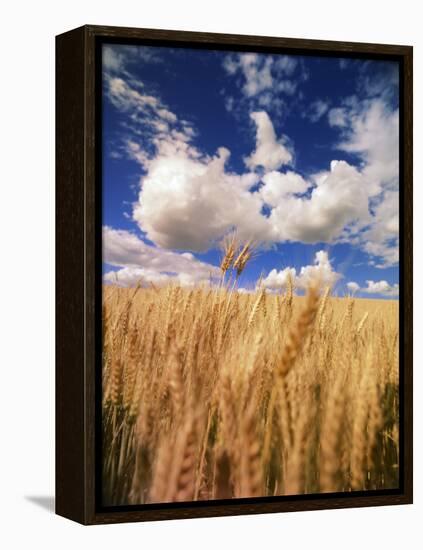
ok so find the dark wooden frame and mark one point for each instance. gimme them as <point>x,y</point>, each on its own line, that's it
<point>78,253</point>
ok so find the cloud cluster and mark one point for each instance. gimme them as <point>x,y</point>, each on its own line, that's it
<point>381,240</point>
<point>260,72</point>
<point>265,81</point>
<point>372,133</point>
<point>189,200</point>
<point>320,272</point>
<point>270,153</point>
<point>353,287</point>
<point>280,186</point>
<point>316,110</point>
<point>190,203</point>
<point>133,276</point>
<point>338,117</point>
<point>150,127</point>
<point>370,130</point>
<point>117,58</point>
<point>338,200</point>
<point>379,80</point>
<point>381,287</point>
<point>375,287</point>
<point>126,98</point>
<point>140,262</point>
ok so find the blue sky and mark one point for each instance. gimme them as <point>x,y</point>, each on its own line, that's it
<point>298,153</point>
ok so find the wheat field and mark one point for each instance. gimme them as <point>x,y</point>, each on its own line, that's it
<point>209,393</point>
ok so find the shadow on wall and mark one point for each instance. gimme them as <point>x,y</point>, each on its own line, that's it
<point>46,502</point>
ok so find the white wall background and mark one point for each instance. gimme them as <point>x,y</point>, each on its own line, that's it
<point>27,271</point>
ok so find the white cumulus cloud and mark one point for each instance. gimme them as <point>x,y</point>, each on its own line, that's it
<point>189,200</point>
<point>338,199</point>
<point>373,134</point>
<point>370,130</point>
<point>321,272</point>
<point>376,287</point>
<point>353,286</point>
<point>278,186</point>
<point>190,203</point>
<point>270,152</point>
<point>277,280</point>
<point>381,287</point>
<point>140,262</point>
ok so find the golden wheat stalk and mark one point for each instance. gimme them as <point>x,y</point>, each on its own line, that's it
<point>210,393</point>
<point>297,334</point>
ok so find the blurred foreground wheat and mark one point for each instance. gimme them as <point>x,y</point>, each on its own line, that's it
<point>213,394</point>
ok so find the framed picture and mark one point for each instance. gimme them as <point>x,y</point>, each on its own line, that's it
<point>234,274</point>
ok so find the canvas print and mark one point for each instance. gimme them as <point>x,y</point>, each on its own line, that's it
<point>250,219</point>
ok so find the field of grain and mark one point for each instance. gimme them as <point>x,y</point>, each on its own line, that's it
<point>209,393</point>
